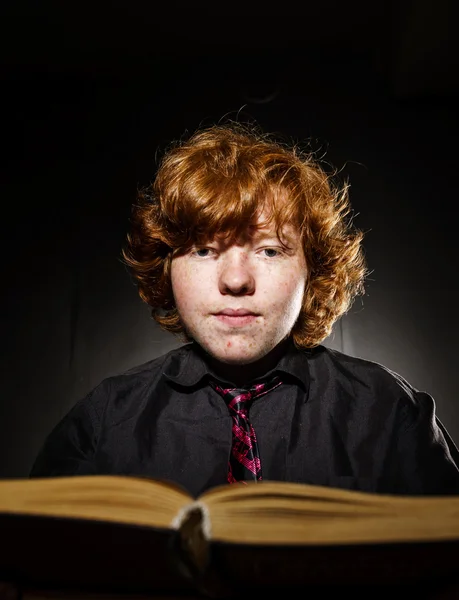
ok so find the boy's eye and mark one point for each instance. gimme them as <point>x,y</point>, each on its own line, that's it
<point>202,252</point>
<point>271,252</point>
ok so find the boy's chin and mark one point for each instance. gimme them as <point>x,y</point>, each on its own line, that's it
<point>236,358</point>
<point>238,354</point>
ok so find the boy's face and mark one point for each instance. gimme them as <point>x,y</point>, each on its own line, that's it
<point>240,298</point>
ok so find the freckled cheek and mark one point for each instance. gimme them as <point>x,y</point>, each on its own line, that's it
<point>190,289</point>
<point>293,285</point>
<point>182,287</point>
<point>289,294</point>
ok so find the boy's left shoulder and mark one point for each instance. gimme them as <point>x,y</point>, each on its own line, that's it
<point>364,371</point>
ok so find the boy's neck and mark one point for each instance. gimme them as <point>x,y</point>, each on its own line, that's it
<point>242,375</point>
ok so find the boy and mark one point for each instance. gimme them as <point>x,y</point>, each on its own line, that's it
<point>242,246</point>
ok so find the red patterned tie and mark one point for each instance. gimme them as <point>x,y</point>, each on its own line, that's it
<point>244,463</point>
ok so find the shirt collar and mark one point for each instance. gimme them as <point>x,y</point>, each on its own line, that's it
<point>187,367</point>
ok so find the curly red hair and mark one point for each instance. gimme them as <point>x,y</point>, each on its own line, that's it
<point>217,181</point>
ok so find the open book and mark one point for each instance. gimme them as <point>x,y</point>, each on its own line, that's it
<point>123,534</point>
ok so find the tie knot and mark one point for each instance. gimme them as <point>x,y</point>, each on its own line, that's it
<point>239,399</point>
<point>245,462</point>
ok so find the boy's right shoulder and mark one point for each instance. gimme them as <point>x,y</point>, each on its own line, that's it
<point>153,367</point>
<point>138,376</point>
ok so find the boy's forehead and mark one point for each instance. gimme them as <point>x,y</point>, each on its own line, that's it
<point>261,228</point>
<point>271,228</point>
<point>265,215</point>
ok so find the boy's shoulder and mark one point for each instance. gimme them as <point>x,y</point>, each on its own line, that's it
<point>167,362</point>
<point>148,373</point>
<point>358,370</point>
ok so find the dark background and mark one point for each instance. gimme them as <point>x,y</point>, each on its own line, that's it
<point>90,93</point>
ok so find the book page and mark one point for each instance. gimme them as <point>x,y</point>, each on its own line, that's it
<point>125,499</point>
<point>290,513</point>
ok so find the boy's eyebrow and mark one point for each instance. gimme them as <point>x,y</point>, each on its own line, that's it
<point>286,234</point>
<point>264,234</point>
<point>255,233</point>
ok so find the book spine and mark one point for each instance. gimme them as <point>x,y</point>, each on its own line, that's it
<point>194,530</point>
<point>192,551</point>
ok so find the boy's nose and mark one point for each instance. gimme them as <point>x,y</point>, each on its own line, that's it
<point>236,274</point>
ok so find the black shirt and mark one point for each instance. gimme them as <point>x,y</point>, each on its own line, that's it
<point>336,420</point>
